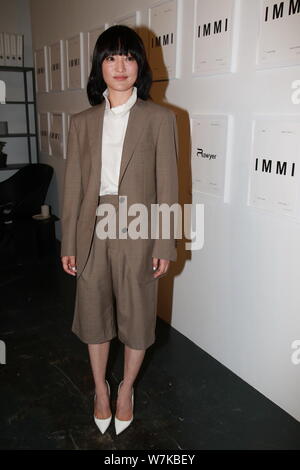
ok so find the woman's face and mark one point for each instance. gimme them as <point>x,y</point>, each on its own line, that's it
<point>119,72</point>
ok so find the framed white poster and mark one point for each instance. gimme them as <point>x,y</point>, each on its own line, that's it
<point>215,36</point>
<point>57,137</point>
<point>130,20</point>
<point>274,172</point>
<point>279,36</point>
<point>92,39</point>
<point>56,66</point>
<point>68,121</point>
<point>211,152</point>
<point>41,70</point>
<point>44,127</point>
<point>75,62</point>
<point>163,33</point>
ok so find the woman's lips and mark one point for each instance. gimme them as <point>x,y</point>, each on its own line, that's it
<point>120,78</point>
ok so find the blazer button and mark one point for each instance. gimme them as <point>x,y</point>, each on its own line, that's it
<point>124,229</point>
<point>122,199</point>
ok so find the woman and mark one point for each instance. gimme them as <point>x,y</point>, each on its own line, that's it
<point>121,150</point>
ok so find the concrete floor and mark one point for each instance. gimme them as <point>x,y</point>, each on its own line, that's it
<point>184,399</point>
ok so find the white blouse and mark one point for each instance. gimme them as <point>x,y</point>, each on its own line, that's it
<point>113,133</point>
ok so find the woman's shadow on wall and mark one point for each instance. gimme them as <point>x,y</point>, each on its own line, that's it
<point>158,94</point>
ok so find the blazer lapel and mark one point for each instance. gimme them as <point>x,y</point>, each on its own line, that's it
<point>136,123</point>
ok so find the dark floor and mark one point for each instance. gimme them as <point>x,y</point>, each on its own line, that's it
<point>184,399</point>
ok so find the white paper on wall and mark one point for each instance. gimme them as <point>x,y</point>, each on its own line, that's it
<point>214,27</point>
<point>128,20</point>
<point>44,132</point>
<point>57,134</point>
<point>75,66</point>
<point>211,139</point>
<point>92,39</point>
<point>279,36</point>
<point>274,180</point>
<point>163,40</point>
<point>41,70</point>
<point>56,66</point>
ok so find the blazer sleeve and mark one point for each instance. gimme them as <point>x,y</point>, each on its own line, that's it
<point>72,193</point>
<point>167,183</point>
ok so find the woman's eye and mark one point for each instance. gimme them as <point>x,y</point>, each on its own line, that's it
<point>111,58</point>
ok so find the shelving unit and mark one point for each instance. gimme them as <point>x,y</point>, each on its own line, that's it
<point>27,103</point>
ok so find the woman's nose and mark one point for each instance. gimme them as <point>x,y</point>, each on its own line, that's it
<point>120,65</point>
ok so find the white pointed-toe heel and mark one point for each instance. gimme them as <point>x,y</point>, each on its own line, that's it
<point>103,423</point>
<point>121,425</point>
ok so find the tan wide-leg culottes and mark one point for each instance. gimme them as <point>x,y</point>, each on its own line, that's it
<point>110,299</point>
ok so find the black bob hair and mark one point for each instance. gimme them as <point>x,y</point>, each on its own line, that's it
<point>118,39</point>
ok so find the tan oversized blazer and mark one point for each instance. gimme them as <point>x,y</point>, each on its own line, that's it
<point>148,175</point>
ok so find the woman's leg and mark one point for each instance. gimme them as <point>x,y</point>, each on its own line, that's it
<point>98,357</point>
<point>133,359</point>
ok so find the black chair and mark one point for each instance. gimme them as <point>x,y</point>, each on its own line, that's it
<point>21,196</point>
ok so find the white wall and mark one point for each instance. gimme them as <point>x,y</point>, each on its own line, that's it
<point>238,298</point>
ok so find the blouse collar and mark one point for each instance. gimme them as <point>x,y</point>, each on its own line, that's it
<point>122,109</point>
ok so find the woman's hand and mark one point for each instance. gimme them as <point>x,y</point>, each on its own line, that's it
<point>69,264</point>
<point>161,265</point>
